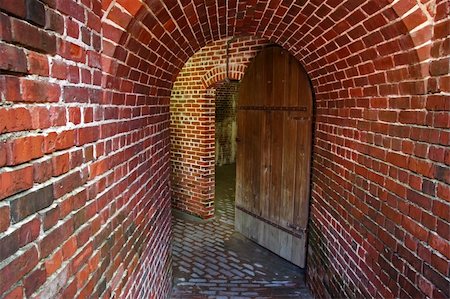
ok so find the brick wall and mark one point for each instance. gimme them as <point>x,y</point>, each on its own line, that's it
<point>192,107</point>
<point>380,210</point>
<point>226,125</point>
<point>84,152</point>
<point>84,195</point>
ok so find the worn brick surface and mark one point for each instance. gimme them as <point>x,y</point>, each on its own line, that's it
<point>35,200</point>
<point>380,163</point>
<point>35,12</point>
<point>225,122</point>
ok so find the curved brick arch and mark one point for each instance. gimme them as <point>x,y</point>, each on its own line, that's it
<point>192,157</point>
<point>84,153</point>
<point>365,59</point>
<point>399,19</point>
<point>219,73</point>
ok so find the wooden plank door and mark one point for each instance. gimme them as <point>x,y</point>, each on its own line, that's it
<point>274,118</point>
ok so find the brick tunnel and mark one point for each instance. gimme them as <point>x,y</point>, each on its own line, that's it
<point>85,191</point>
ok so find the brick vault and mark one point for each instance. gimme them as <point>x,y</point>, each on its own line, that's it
<point>84,146</point>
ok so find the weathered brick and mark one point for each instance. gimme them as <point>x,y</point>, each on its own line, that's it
<point>76,158</point>
<point>87,135</point>
<point>50,142</point>
<point>86,36</point>
<point>60,164</point>
<point>40,117</point>
<point>16,7</point>
<point>55,238</point>
<point>53,263</point>
<point>4,218</point>
<point>5,28</point>
<point>24,149</point>
<point>437,279</point>
<point>12,59</point>
<point>35,12</point>
<point>441,209</point>
<point>14,119</point>
<point>51,218</point>
<point>58,116</point>
<point>71,51</point>
<point>73,94</point>
<point>75,115</point>
<point>16,293</point>
<point>33,37</point>
<point>50,3</point>
<point>42,170</point>
<point>74,74</point>
<point>54,21</point>
<point>73,29</point>
<point>71,8</point>
<point>34,200</point>
<point>38,64</point>
<point>11,243</point>
<point>442,173</point>
<point>40,91</point>
<point>65,139</point>
<point>69,248</point>
<point>67,183</point>
<point>33,281</point>
<point>15,180</point>
<point>71,290</point>
<point>15,270</point>
<point>3,153</point>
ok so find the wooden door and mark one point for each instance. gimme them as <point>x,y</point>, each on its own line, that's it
<point>274,118</point>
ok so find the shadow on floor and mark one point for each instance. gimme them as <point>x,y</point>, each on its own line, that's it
<point>211,260</point>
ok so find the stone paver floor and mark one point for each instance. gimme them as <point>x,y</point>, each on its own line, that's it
<point>211,260</point>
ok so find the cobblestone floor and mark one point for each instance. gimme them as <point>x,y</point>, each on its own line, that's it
<point>211,260</point>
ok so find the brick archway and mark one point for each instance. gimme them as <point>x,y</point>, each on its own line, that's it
<point>193,121</point>
<point>364,58</point>
<point>219,73</point>
<point>87,85</point>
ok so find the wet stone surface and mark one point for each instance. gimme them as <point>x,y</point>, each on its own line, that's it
<point>211,260</point>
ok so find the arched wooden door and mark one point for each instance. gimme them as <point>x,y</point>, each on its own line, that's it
<point>274,153</point>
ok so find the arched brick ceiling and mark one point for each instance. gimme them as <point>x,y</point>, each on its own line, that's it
<point>99,129</point>
<point>369,62</point>
<point>335,40</point>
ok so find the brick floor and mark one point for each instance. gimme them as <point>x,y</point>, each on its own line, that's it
<point>211,260</point>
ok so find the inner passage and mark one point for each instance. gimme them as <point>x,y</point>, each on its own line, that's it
<point>211,259</point>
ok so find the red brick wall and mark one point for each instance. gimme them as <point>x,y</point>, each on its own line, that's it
<point>84,124</point>
<point>84,159</point>
<point>192,107</point>
<point>226,125</point>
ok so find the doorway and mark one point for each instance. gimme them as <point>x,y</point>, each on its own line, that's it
<point>211,258</point>
<point>226,97</point>
<point>274,154</point>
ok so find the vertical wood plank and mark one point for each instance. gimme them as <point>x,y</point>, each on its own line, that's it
<point>276,166</point>
<point>265,172</point>
<point>289,171</point>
